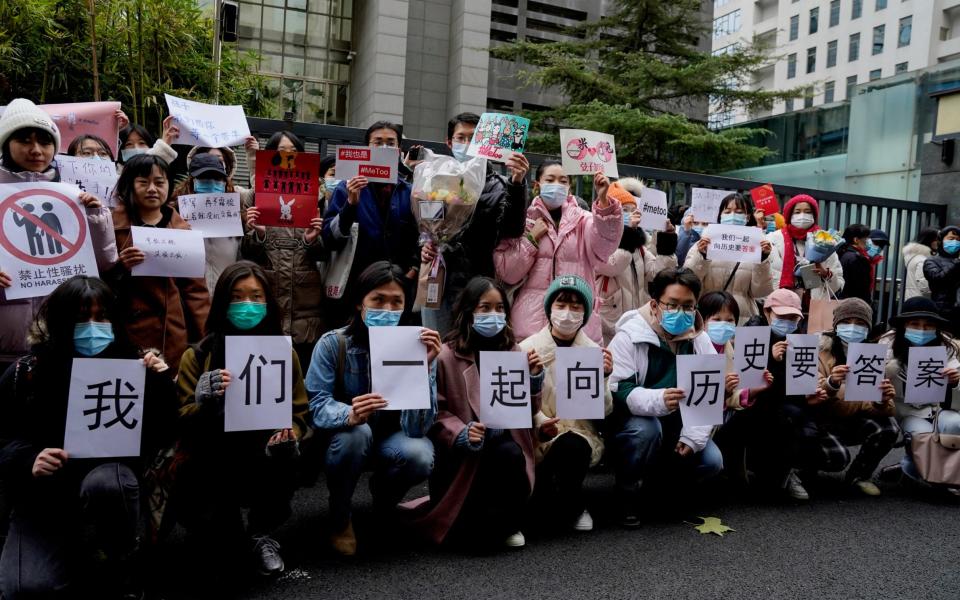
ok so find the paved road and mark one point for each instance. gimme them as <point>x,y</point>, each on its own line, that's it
<point>841,546</point>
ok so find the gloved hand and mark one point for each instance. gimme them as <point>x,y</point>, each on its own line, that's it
<point>211,387</point>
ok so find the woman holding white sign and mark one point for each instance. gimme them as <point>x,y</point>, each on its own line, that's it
<point>747,281</point>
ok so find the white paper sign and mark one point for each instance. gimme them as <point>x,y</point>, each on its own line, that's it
<point>376,163</point>
<point>208,124</point>
<point>734,243</point>
<point>169,252</point>
<point>579,383</point>
<point>44,237</point>
<point>705,204</point>
<point>92,175</point>
<point>703,378</point>
<point>398,367</point>
<point>750,354</point>
<point>213,215</point>
<point>505,399</point>
<point>803,364</point>
<point>105,408</point>
<point>867,363</point>
<point>653,209</point>
<point>586,152</point>
<point>260,394</point>
<point>926,383</point>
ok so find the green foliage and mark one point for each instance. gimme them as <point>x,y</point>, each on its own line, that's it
<point>144,49</point>
<point>632,73</point>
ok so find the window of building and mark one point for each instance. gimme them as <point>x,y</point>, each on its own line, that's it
<point>901,68</point>
<point>726,24</point>
<point>829,91</point>
<point>718,3</point>
<point>794,27</point>
<point>875,74</point>
<point>851,84</point>
<point>857,10</point>
<point>788,105</point>
<point>878,33</point>
<point>814,20</point>
<point>811,59</point>
<point>853,52</point>
<point>881,4</point>
<point>792,66</point>
<point>721,119</point>
<point>498,105</point>
<point>906,30</point>
<point>834,13</point>
<point>832,54</point>
<point>808,98</point>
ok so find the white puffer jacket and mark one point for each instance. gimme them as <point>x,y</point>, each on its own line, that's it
<point>915,282</point>
<point>751,282</point>
<point>835,283</point>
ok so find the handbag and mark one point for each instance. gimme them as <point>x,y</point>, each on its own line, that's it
<point>820,317</point>
<point>937,455</point>
<point>336,270</point>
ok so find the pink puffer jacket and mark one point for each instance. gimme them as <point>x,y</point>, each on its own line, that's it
<point>582,243</point>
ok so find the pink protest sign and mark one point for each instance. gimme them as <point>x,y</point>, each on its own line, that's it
<point>90,118</point>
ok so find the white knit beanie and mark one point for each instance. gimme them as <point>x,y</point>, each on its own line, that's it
<point>22,114</point>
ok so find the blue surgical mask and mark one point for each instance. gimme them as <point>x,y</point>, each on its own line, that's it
<point>698,229</point>
<point>460,151</point>
<point>676,323</point>
<point>872,249</point>
<point>852,334</point>
<point>771,226</point>
<point>951,246</point>
<point>246,315</point>
<point>553,194</point>
<point>128,153</point>
<point>331,183</point>
<point>375,317</point>
<point>105,158</point>
<point>209,186</point>
<point>489,324</point>
<point>919,337</point>
<point>783,327</point>
<point>92,338</point>
<point>733,219</point>
<point>626,219</point>
<point>721,332</point>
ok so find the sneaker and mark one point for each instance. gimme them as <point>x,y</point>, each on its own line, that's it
<point>344,542</point>
<point>266,553</point>
<point>516,540</point>
<point>794,487</point>
<point>584,522</point>
<point>630,519</point>
<point>866,486</point>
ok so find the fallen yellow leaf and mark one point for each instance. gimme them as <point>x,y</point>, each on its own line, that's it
<point>713,525</point>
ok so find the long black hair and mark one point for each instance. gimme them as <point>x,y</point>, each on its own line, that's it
<point>74,148</point>
<point>217,321</point>
<point>376,275</point>
<point>743,203</point>
<point>147,137</point>
<point>70,303</point>
<point>274,142</point>
<point>23,135</point>
<point>462,336</point>
<point>138,166</point>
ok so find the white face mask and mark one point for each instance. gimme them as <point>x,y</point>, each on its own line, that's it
<point>566,322</point>
<point>802,220</point>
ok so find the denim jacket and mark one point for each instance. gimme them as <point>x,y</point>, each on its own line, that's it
<point>330,412</point>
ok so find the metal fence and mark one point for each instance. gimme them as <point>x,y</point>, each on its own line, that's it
<point>901,220</point>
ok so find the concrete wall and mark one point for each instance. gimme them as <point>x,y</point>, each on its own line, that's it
<point>380,42</point>
<point>940,182</point>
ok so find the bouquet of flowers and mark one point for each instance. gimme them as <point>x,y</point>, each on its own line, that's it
<point>445,194</point>
<point>821,244</point>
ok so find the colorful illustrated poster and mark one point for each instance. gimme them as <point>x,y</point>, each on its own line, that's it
<point>287,188</point>
<point>586,152</point>
<point>498,136</point>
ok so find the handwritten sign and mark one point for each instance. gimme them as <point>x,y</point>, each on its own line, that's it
<point>208,124</point>
<point>84,118</point>
<point>867,363</point>
<point>734,243</point>
<point>802,364</point>
<point>260,394</point>
<point>587,152</point>
<point>44,237</point>
<point>750,356</point>
<point>505,399</point>
<point>376,163</point>
<point>705,204</point>
<point>926,383</point>
<point>498,136</point>
<point>104,408</point>
<point>653,210</point>
<point>702,377</point>
<point>287,188</point>
<point>399,370</point>
<point>580,386</point>
<point>92,175</point>
<point>765,199</point>
<point>213,215</point>
<point>169,252</point>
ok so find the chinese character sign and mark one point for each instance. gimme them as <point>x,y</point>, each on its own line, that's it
<point>398,367</point>
<point>208,124</point>
<point>91,175</point>
<point>44,237</point>
<point>84,118</point>
<point>213,215</point>
<point>498,136</point>
<point>169,252</point>
<point>926,383</point>
<point>505,401</point>
<point>586,152</point>
<point>703,378</point>
<point>653,209</point>
<point>287,188</point>
<point>705,204</point>
<point>867,363</point>
<point>105,408</point>
<point>579,383</point>
<point>734,243</point>
<point>802,364</point>
<point>750,356</point>
<point>260,394</point>
<point>376,163</point>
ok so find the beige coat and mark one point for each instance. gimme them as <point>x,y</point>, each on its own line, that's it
<point>751,282</point>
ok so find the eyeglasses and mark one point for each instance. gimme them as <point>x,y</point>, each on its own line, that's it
<point>672,308</point>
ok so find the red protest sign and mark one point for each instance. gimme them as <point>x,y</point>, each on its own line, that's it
<point>765,199</point>
<point>287,188</point>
